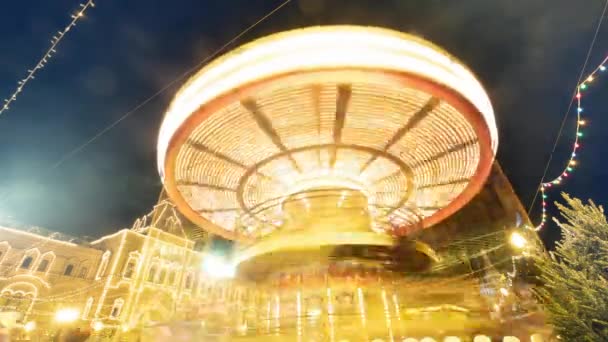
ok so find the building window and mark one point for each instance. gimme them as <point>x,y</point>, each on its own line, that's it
<point>103,265</point>
<point>43,266</point>
<point>129,269</point>
<point>152,274</point>
<point>27,262</point>
<point>171,281</point>
<point>162,276</point>
<point>68,270</point>
<point>83,272</point>
<point>189,281</point>
<point>117,308</point>
<point>87,308</point>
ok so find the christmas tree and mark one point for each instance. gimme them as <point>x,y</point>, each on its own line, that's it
<point>575,290</point>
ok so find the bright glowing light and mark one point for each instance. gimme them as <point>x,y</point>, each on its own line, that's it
<point>518,241</point>
<point>314,312</point>
<point>504,291</point>
<point>67,315</point>
<point>29,326</point>
<point>452,339</point>
<point>482,338</point>
<point>217,267</point>
<point>97,326</point>
<point>510,339</point>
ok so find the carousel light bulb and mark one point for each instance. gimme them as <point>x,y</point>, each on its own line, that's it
<point>66,315</point>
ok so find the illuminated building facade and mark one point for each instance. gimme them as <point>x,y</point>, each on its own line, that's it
<point>353,167</point>
<point>118,282</point>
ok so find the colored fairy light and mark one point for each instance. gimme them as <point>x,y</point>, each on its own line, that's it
<point>576,145</point>
<point>55,40</point>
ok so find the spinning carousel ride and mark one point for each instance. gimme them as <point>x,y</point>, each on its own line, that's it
<point>320,151</point>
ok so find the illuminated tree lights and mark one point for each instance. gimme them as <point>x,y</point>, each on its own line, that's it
<point>572,161</point>
<point>47,55</point>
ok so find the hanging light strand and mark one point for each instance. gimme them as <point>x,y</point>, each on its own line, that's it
<point>580,124</point>
<point>55,40</point>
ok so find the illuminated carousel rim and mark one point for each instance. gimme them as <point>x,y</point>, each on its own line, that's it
<point>183,118</point>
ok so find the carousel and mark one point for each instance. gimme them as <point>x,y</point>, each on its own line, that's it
<point>321,152</point>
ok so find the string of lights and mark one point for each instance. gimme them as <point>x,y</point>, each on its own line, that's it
<point>55,41</point>
<point>580,124</point>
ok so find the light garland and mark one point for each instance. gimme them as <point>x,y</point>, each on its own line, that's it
<point>47,55</point>
<point>572,161</point>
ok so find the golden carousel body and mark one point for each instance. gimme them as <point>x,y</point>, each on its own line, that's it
<point>320,152</point>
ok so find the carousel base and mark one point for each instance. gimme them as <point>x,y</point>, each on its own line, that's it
<point>444,327</point>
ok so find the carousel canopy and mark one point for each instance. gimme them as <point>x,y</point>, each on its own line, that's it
<point>341,107</point>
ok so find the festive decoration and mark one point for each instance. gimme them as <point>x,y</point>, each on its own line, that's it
<point>572,161</point>
<point>47,55</point>
<point>575,294</point>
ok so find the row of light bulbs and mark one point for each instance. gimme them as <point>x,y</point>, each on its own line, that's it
<point>572,161</point>
<point>47,55</point>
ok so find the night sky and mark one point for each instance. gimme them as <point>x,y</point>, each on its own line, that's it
<point>527,53</point>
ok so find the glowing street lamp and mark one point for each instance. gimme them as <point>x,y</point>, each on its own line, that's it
<point>30,326</point>
<point>67,315</point>
<point>518,241</point>
<point>98,326</point>
<point>218,268</point>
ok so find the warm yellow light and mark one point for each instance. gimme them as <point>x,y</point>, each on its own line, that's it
<point>29,326</point>
<point>504,291</point>
<point>590,78</point>
<point>510,339</point>
<point>518,241</point>
<point>98,326</point>
<point>452,339</point>
<point>482,338</point>
<point>67,315</point>
<point>573,162</point>
<point>125,328</point>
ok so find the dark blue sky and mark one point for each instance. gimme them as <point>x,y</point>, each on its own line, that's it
<point>526,52</point>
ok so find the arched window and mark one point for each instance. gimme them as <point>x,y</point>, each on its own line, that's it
<point>189,281</point>
<point>117,308</point>
<point>131,265</point>
<point>27,262</point>
<point>171,281</point>
<point>129,269</point>
<point>46,260</point>
<point>105,258</point>
<point>87,308</point>
<point>162,275</point>
<point>68,270</point>
<point>43,265</point>
<point>152,273</point>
